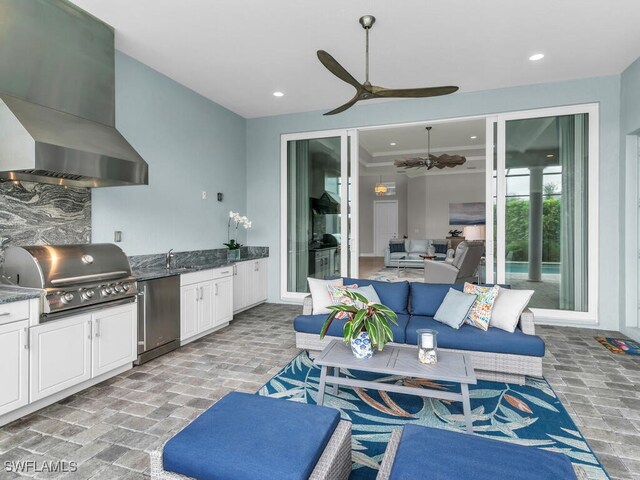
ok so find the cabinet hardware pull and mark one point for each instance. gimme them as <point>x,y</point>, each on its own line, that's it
<point>216,289</point>
<point>90,330</point>
<point>225,272</point>
<point>97,328</point>
<point>4,314</point>
<point>26,339</point>
<point>201,293</point>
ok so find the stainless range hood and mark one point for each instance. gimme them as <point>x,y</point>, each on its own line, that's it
<point>57,99</point>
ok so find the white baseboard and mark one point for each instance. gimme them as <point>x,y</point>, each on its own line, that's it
<point>370,255</point>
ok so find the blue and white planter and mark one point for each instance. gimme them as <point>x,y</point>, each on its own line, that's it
<point>361,346</point>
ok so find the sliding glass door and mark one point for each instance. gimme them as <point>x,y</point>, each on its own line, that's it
<point>316,192</point>
<point>545,196</point>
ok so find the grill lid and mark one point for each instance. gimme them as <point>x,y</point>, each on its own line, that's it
<point>58,266</point>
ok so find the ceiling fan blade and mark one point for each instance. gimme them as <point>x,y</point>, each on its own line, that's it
<point>413,92</point>
<point>450,160</point>
<point>338,70</point>
<point>342,108</point>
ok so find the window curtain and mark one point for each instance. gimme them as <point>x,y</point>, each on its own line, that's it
<point>573,153</point>
<point>298,212</point>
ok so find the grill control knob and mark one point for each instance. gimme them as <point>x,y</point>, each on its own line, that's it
<point>126,286</point>
<point>107,291</point>
<point>87,294</point>
<point>119,289</point>
<point>67,297</point>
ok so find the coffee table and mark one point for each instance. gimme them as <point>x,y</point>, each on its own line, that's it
<point>398,360</point>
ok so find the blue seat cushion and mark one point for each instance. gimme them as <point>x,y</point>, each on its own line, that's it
<point>394,295</point>
<point>471,338</point>
<point>313,324</point>
<point>244,437</point>
<point>427,297</point>
<point>439,454</point>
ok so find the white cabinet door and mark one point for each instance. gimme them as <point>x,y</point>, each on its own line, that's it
<point>223,294</point>
<point>261,283</point>
<point>240,285</point>
<point>114,338</point>
<point>60,355</point>
<point>189,303</point>
<point>206,314</point>
<point>14,366</point>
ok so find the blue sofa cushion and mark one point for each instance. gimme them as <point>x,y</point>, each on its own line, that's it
<point>439,454</point>
<point>396,247</point>
<point>427,297</point>
<point>244,437</point>
<point>394,295</point>
<point>313,324</point>
<point>470,338</point>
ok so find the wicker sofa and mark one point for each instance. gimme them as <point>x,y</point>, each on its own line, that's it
<point>497,355</point>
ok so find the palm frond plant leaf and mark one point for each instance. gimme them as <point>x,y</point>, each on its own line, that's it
<point>362,315</point>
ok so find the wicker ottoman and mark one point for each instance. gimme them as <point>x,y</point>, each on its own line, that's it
<point>244,437</point>
<point>423,452</point>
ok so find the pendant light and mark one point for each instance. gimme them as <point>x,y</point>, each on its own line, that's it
<point>380,188</point>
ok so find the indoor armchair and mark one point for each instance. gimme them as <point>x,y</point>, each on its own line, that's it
<point>461,268</point>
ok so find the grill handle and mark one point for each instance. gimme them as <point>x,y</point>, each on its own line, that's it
<point>58,282</point>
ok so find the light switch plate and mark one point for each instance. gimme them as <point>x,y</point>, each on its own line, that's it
<point>117,236</point>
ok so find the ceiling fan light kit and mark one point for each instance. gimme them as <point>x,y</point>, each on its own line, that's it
<point>431,161</point>
<point>367,91</point>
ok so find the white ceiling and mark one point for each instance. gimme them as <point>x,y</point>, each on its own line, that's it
<point>238,53</point>
<point>453,137</point>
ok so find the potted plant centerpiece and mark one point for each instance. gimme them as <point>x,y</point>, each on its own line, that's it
<point>233,252</point>
<point>367,326</point>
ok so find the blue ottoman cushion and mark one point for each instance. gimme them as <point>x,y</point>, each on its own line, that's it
<point>438,454</point>
<point>473,339</point>
<point>244,437</point>
<point>313,324</point>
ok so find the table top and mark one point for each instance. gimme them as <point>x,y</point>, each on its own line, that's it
<point>400,360</point>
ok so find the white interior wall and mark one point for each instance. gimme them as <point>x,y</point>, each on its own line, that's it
<point>429,198</point>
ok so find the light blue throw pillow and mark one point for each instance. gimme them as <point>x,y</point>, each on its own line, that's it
<point>454,308</point>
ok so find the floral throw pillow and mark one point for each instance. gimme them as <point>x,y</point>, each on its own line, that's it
<point>480,312</point>
<point>337,296</point>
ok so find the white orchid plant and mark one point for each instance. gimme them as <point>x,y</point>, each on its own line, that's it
<point>239,220</point>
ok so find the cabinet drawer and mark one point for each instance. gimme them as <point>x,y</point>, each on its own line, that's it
<point>222,272</point>
<point>196,277</point>
<point>13,312</point>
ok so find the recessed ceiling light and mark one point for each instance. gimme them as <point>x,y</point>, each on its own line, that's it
<point>473,137</point>
<point>393,144</point>
<point>537,56</point>
<point>278,94</point>
<point>550,155</point>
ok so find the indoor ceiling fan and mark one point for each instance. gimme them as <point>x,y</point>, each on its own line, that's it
<point>366,91</point>
<point>430,161</point>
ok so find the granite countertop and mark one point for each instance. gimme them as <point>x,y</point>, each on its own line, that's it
<point>142,274</point>
<point>10,294</point>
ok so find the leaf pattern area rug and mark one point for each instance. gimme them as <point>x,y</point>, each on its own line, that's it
<point>529,414</point>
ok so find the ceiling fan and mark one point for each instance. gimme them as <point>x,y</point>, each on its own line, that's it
<point>366,91</point>
<point>430,161</point>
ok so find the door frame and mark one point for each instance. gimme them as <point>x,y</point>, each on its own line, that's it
<point>375,226</point>
<point>543,315</point>
<point>297,297</point>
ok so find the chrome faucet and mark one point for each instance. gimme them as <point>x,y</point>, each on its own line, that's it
<point>169,255</point>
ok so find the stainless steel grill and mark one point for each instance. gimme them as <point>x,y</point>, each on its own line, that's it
<point>73,277</point>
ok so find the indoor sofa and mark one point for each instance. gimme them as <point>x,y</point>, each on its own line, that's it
<point>413,252</point>
<point>496,354</point>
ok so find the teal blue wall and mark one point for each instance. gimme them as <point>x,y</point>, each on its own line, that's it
<point>263,158</point>
<point>629,129</point>
<point>191,144</point>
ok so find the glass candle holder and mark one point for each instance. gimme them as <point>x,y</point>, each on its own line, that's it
<point>427,346</point>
